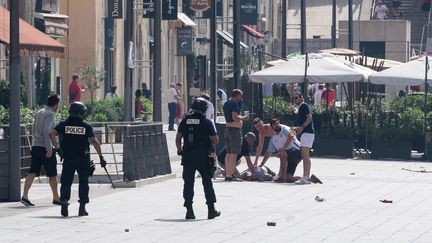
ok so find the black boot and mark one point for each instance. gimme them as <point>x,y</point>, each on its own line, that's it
<point>64,208</point>
<point>82,210</point>
<point>212,212</point>
<point>190,213</point>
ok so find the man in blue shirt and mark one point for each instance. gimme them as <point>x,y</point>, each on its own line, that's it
<point>233,133</point>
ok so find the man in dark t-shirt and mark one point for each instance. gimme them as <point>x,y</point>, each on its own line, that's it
<point>307,133</point>
<point>249,139</point>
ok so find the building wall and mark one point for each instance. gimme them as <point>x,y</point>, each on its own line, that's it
<point>84,43</point>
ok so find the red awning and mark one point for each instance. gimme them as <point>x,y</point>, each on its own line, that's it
<point>32,41</point>
<point>252,31</point>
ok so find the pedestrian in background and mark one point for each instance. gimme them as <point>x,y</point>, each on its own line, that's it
<point>233,132</point>
<point>42,153</point>
<point>75,90</point>
<point>179,110</point>
<point>112,94</point>
<point>145,91</point>
<point>172,105</point>
<point>75,138</point>
<point>198,137</point>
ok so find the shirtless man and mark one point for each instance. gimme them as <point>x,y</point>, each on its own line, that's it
<point>265,130</point>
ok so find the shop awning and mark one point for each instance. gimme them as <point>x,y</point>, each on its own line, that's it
<point>251,31</point>
<point>32,41</point>
<point>228,39</point>
<point>186,20</point>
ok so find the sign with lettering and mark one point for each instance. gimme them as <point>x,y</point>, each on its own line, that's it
<point>184,41</point>
<point>200,5</point>
<point>115,9</point>
<point>75,130</point>
<point>169,9</point>
<point>248,12</point>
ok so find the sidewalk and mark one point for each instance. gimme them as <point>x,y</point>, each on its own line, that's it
<point>154,213</point>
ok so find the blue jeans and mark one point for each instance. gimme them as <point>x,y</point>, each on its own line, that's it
<point>172,108</point>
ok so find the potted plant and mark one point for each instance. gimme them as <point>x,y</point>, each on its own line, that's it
<point>92,78</point>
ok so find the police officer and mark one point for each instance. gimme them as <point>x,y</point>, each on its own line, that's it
<point>198,136</point>
<point>75,136</point>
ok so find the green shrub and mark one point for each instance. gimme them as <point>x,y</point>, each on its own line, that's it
<point>112,109</point>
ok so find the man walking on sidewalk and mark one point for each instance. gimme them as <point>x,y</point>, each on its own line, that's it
<point>42,152</point>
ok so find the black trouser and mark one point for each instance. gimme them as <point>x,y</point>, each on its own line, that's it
<point>197,162</point>
<point>172,108</point>
<point>82,166</point>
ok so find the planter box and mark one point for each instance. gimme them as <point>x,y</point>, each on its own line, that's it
<point>333,147</point>
<point>4,169</point>
<point>391,150</point>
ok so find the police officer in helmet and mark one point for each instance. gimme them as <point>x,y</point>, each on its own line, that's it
<point>198,136</point>
<point>75,136</point>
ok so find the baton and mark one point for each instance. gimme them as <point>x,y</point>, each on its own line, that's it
<point>109,177</point>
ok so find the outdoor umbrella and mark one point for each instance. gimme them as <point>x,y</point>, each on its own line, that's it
<point>315,67</point>
<point>410,73</point>
<point>415,72</point>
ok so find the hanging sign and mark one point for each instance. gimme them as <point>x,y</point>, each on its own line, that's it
<point>248,12</point>
<point>115,9</point>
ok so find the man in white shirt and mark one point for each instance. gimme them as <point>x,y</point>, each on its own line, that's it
<point>210,110</point>
<point>380,11</point>
<point>172,99</point>
<point>287,146</point>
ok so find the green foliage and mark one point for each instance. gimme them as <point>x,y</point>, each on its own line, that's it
<point>110,110</point>
<point>279,108</point>
<point>92,78</point>
<point>4,93</point>
<point>148,107</point>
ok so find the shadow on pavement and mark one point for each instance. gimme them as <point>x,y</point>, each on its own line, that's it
<point>55,217</point>
<point>179,220</point>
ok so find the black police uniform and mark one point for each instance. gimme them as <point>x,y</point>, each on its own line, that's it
<point>195,130</point>
<point>74,134</point>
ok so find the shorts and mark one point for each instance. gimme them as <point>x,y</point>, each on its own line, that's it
<point>294,158</point>
<point>307,140</point>
<point>178,110</point>
<point>38,159</point>
<point>233,140</point>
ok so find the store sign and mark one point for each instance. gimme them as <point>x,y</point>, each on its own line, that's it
<point>219,10</point>
<point>248,12</point>
<point>148,9</point>
<point>184,41</point>
<point>200,5</point>
<point>169,9</point>
<point>115,9</point>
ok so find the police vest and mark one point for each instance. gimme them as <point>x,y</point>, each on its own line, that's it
<point>195,129</point>
<point>74,136</point>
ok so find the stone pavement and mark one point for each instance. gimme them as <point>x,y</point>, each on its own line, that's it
<point>352,210</point>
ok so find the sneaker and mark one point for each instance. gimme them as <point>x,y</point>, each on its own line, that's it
<point>315,179</point>
<point>302,181</point>
<point>57,202</point>
<point>276,177</point>
<point>26,202</point>
<point>280,180</point>
<point>64,209</point>
<point>232,178</point>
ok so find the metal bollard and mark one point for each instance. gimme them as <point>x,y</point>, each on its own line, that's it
<point>135,157</point>
<point>155,157</point>
<point>147,154</point>
<point>167,162</point>
<point>128,174</point>
<point>141,160</point>
<point>162,155</point>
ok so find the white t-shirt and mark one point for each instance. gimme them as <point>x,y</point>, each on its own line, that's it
<point>171,97</point>
<point>210,111</point>
<point>380,12</point>
<point>277,141</point>
<point>317,96</point>
<point>224,97</point>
